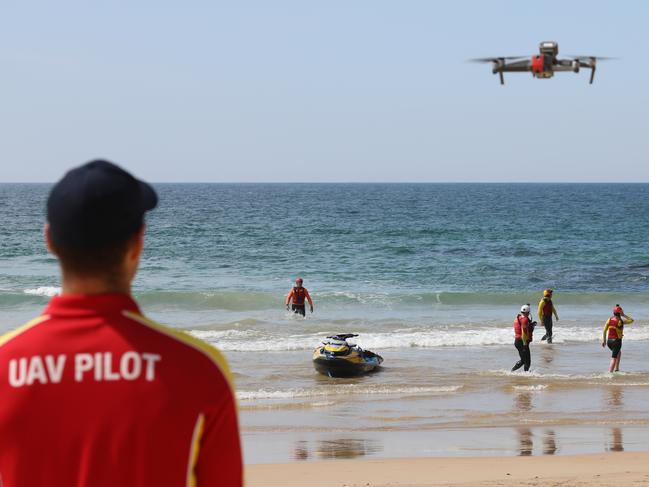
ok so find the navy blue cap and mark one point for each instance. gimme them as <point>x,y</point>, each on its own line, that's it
<point>97,204</point>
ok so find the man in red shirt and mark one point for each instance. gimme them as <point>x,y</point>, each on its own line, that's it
<point>298,294</point>
<point>523,331</point>
<point>92,393</point>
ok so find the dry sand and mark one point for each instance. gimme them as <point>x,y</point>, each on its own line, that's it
<point>609,469</point>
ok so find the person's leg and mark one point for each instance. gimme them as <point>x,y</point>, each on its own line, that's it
<point>519,346</point>
<point>548,328</point>
<point>528,358</point>
<point>618,355</point>
<point>614,346</point>
<point>544,320</point>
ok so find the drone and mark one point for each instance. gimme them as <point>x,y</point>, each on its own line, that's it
<point>542,65</point>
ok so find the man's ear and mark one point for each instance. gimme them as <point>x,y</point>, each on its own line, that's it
<point>47,234</point>
<point>137,244</point>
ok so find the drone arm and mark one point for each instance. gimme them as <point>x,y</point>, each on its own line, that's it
<point>518,66</point>
<point>563,67</point>
<point>592,73</point>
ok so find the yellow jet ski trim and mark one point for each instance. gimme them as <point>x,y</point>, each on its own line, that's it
<point>329,347</point>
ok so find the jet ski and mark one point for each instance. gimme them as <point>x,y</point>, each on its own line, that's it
<point>336,357</point>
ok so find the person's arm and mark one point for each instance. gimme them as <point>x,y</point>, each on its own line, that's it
<point>539,312</point>
<point>554,310</point>
<point>604,332</point>
<point>218,459</point>
<point>525,331</point>
<point>308,298</point>
<point>289,296</point>
<point>627,320</point>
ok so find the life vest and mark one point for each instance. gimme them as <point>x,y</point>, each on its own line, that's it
<point>615,327</point>
<point>522,322</point>
<point>299,295</point>
<point>547,307</point>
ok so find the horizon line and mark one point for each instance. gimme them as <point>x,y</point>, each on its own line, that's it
<point>361,182</point>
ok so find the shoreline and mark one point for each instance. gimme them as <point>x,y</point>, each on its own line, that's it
<point>604,469</point>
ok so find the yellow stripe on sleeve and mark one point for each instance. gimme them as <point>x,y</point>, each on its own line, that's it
<point>22,329</point>
<point>187,339</point>
<point>194,449</point>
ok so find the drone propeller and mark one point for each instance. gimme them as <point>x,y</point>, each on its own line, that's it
<point>495,59</point>
<point>598,58</point>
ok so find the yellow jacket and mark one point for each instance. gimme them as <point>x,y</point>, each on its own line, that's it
<point>540,310</point>
<point>625,320</point>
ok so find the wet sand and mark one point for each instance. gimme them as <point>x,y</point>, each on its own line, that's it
<point>300,446</point>
<point>430,403</point>
<point>609,469</point>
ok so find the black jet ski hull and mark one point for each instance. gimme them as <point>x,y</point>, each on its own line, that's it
<point>346,366</point>
<point>341,368</point>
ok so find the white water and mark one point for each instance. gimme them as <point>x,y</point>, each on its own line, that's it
<point>258,340</point>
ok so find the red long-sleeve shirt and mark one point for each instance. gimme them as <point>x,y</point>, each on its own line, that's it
<point>298,295</point>
<point>94,394</point>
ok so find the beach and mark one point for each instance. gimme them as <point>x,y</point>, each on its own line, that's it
<point>613,469</point>
<point>430,276</point>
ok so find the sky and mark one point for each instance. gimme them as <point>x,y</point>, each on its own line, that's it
<point>336,91</point>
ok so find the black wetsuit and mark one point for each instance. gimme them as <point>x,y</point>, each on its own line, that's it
<point>546,320</point>
<point>524,354</point>
<point>299,309</point>
<point>615,345</point>
<point>547,324</point>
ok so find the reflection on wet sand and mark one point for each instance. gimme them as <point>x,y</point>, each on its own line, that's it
<point>526,444</point>
<point>547,355</point>
<point>523,402</point>
<point>301,451</point>
<point>614,401</point>
<point>614,398</point>
<point>617,441</point>
<point>339,448</point>
<point>549,442</point>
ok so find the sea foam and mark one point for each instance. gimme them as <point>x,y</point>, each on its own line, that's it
<point>251,340</point>
<point>345,390</point>
<point>48,291</point>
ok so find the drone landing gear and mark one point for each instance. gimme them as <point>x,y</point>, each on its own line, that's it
<point>592,71</point>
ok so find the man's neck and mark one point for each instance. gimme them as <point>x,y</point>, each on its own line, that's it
<point>93,285</point>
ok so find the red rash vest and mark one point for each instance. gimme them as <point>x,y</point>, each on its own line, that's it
<point>298,294</point>
<point>92,393</point>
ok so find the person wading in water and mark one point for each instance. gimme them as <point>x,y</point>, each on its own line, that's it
<point>615,326</point>
<point>298,294</point>
<point>545,312</point>
<point>523,330</point>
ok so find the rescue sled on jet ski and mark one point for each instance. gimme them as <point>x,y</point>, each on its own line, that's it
<point>336,357</point>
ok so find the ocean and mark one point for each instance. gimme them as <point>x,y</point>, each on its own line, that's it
<point>430,275</point>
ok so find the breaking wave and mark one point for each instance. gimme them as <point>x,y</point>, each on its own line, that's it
<point>346,390</point>
<point>254,300</point>
<point>48,291</point>
<point>250,340</point>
